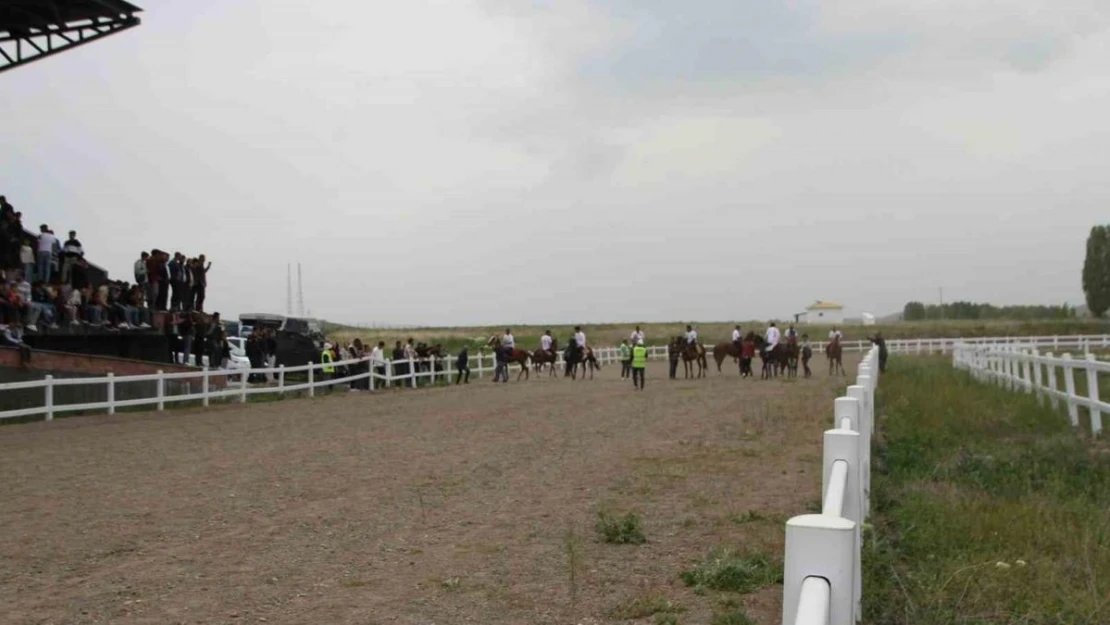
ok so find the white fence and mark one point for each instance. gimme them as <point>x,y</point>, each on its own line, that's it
<point>822,573</point>
<point>1022,367</point>
<point>306,378</point>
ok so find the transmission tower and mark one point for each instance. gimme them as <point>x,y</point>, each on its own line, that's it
<point>288,289</point>
<point>300,292</point>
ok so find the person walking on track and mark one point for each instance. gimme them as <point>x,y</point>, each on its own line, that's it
<point>626,359</point>
<point>639,364</point>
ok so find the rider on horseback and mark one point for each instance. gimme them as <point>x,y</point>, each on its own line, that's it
<point>772,339</point>
<point>791,335</point>
<point>736,337</point>
<point>691,336</point>
<point>637,337</point>
<point>545,343</point>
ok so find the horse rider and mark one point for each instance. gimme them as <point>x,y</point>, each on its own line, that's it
<point>736,336</point>
<point>691,336</point>
<point>835,334</point>
<point>637,337</point>
<point>791,334</point>
<point>508,342</point>
<point>545,343</point>
<point>580,338</point>
<point>772,338</point>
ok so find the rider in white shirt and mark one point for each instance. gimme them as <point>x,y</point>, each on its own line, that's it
<point>772,337</point>
<point>691,335</point>
<point>835,334</point>
<point>736,334</point>
<point>545,341</point>
<point>507,341</point>
<point>580,337</point>
<point>637,337</point>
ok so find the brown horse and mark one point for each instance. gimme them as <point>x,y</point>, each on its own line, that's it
<point>834,351</point>
<point>724,350</point>
<point>541,358</point>
<point>518,356</point>
<point>691,353</point>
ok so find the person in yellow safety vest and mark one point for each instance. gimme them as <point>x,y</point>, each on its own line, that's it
<point>639,364</point>
<point>326,359</point>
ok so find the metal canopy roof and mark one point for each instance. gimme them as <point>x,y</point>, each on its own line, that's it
<point>35,29</point>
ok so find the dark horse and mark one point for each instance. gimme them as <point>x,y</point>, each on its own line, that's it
<point>575,356</point>
<point>691,353</point>
<point>774,360</point>
<point>541,358</point>
<point>519,356</point>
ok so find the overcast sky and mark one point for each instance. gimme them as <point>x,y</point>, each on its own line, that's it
<point>509,161</point>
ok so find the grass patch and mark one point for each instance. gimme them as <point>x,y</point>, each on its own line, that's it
<point>987,507</point>
<point>645,606</point>
<point>626,530</point>
<point>731,613</point>
<point>724,569</point>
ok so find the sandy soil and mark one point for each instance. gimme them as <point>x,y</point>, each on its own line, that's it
<point>452,505</point>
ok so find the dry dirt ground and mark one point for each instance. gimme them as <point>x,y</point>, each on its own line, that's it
<point>450,505</point>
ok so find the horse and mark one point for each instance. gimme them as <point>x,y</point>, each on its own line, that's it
<point>541,358</point>
<point>519,356</point>
<point>774,360</point>
<point>834,351</point>
<point>724,350</point>
<point>790,357</point>
<point>691,353</point>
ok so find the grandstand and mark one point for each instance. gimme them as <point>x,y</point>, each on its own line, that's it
<point>31,30</point>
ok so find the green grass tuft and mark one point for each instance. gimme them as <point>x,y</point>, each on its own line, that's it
<point>723,569</point>
<point>626,530</point>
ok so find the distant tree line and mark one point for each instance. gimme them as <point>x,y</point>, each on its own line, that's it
<point>918,311</point>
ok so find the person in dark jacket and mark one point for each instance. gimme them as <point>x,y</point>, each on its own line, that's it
<point>462,365</point>
<point>881,343</point>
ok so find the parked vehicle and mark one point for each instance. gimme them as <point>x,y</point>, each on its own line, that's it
<point>299,340</point>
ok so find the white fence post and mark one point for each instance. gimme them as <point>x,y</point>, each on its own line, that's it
<point>1092,395</point>
<point>859,393</point>
<point>1038,380</point>
<point>370,363</point>
<point>49,397</point>
<point>820,546</point>
<point>1050,371</point>
<point>111,393</point>
<point>243,389</point>
<point>843,446</point>
<point>1069,389</point>
<point>161,390</point>
<point>412,372</point>
<point>204,387</point>
<point>281,380</point>
<point>311,380</point>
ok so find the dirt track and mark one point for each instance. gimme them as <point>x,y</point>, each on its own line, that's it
<point>455,505</point>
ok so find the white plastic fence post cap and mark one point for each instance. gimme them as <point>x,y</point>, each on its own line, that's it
<point>821,521</point>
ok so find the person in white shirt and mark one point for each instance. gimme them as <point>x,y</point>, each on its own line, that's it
<point>637,337</point>
<point>45,257</point>
<point>580,337</point>
<point>772,337</point>
<point>545,342</point>
<point>736,336</point>
<point>835,334</point>
<point>691,335</point>
<point>507,341</point>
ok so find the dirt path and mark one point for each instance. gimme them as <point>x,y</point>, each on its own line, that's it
<point>455,505</point>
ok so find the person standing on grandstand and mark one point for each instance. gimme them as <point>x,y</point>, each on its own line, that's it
<point>200,281</point>
<point>71,253</point>
<point>45,254</point>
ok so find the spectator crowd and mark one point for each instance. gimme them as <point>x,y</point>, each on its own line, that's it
<point>46,283</point>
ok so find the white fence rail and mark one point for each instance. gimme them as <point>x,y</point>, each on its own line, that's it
<point>1023,367</point>
<point>822,574</point>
